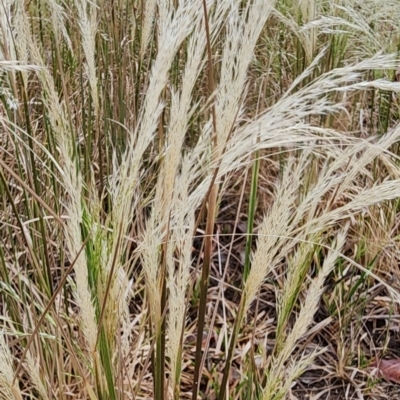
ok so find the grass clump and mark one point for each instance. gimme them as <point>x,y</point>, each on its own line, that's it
<point>199,199</point>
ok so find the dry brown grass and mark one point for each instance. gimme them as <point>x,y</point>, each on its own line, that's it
<point>170,165</point>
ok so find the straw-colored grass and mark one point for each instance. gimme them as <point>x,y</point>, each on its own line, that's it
<point>199,199</point>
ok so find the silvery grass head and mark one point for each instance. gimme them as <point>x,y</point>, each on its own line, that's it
<point>125,128</point>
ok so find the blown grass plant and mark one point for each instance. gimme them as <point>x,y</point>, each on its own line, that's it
<point>199,199</point>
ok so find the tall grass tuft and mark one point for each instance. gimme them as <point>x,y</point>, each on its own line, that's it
<point>140,258</point>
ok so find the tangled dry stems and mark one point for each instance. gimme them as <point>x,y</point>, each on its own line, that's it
<point>128,134</point>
